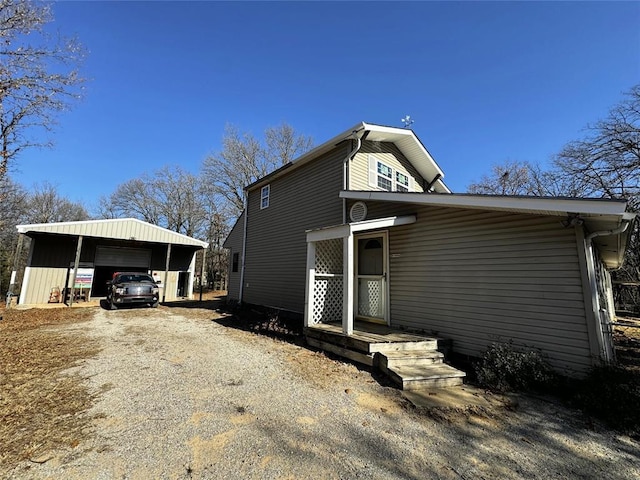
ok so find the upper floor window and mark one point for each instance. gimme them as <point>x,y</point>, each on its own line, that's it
<point>236,261</point>
<point>402,182</point>
<point>264,196</point>
<point>387,178</point>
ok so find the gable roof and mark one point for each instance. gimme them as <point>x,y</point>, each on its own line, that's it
<point>597,214</point>
<point>406,141</point>
<point>117,228</point>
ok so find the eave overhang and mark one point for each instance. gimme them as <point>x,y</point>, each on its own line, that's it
<point>596,215</point>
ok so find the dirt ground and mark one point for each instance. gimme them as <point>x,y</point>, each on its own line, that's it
<point>82,392</point>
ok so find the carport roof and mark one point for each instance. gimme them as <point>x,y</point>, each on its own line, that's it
<point>118,228</point>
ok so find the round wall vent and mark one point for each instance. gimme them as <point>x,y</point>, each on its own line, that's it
<point>358,212</point>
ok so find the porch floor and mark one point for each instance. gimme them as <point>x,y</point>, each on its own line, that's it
<point>369,337</point>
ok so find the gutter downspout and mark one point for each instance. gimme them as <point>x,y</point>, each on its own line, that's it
<point>607,353</point>
<point>244,244</point>
<point>345,171</point>
<point>604,233</point>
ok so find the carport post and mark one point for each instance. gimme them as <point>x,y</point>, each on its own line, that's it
<point>75,270</point>
<point>204,257</point>
<point>166,272</point>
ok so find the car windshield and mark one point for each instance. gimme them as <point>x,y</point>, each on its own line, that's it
<point>135,278</point>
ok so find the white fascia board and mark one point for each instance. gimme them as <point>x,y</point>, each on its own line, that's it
<point>328,233</point>
<point>382,223</point>
<point>534,205</point>
<point>342,231</point>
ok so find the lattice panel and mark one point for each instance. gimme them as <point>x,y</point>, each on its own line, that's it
<point>329,257</point>
<point>370,298</point>
<point>327,300</point>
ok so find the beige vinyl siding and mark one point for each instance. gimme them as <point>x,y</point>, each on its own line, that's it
<point>480,277</point>
<point>276,248</point>
<point>234,244</point>
<point>387,153</point>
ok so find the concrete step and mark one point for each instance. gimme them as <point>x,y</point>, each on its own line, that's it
<point>389,360</point>
<point>410,377</point>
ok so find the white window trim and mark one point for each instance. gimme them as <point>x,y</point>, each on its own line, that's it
<point>265,193</point>
<point>373,176</point>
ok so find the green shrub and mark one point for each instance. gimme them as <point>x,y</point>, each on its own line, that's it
<point>505,369</point>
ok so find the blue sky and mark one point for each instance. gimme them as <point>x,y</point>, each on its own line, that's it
<point>485,82</point>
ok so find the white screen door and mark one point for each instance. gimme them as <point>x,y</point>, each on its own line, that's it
<point>371,278</point>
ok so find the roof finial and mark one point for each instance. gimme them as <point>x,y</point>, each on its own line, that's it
<point>407,120</point>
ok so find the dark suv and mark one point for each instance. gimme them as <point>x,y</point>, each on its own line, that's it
<point>131,288</point>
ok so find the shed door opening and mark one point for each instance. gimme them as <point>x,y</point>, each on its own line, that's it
<point>183,284</point>
<point>109,260</point>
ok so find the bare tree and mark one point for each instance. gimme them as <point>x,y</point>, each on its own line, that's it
<point>170,198</point>
<point>45,205</point>
<point>11,213</point>
<point>244,159</point>
<point>524,178</point>
<point>510,178</point>
<point>134,198</point>
<point>283,144</point>
<point>38,78</point>
<point>180,201</point>
<point>606,163</point>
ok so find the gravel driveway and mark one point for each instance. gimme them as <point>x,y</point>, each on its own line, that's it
<point>182,396</point>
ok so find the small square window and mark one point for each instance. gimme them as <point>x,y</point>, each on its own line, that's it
<point>264,196</point>
<point>402,182</point>
<point>384,183</point>
<point>385,176</point>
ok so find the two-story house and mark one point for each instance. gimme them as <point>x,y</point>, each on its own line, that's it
<point>363,229</point>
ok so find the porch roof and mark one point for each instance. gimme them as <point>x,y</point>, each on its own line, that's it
<point>345,230</point>
<point>597,215</point>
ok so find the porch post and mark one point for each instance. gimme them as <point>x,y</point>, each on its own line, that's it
<point>311,280</point>
<point>347,280</point>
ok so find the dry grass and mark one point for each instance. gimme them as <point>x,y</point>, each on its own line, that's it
<point>41,408</point>
<point>627,342</point>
